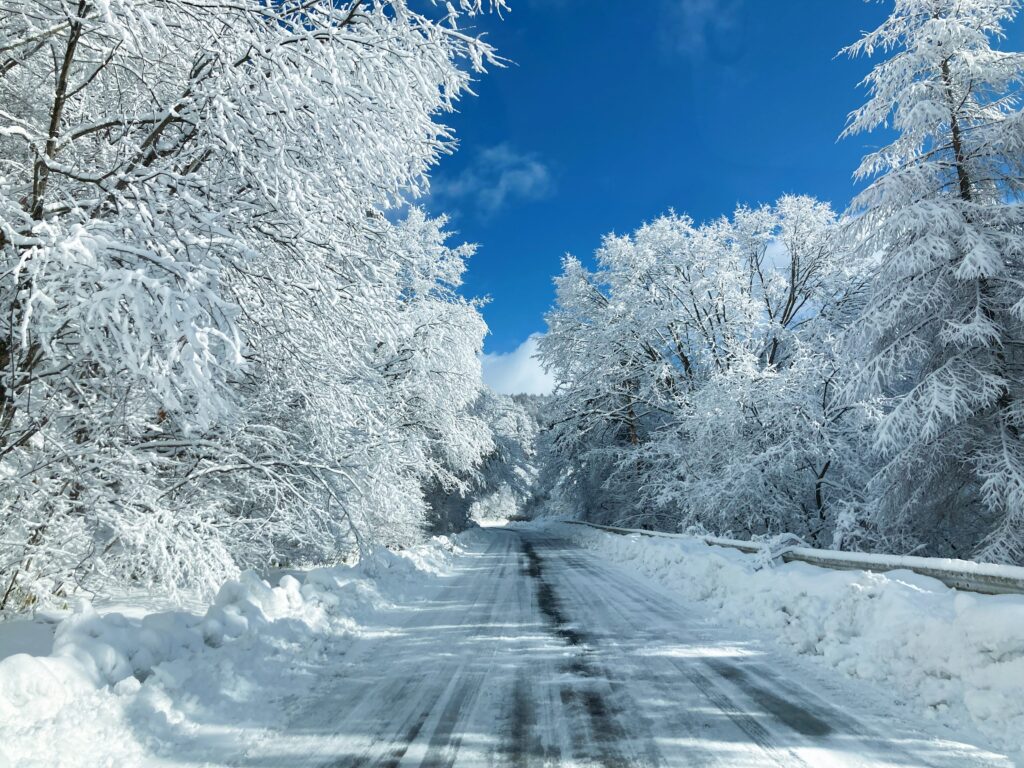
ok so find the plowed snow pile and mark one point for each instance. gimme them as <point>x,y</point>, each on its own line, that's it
<point>118,691</point>
<point>947,653</point>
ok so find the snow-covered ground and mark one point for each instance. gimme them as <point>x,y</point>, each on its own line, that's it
<point>111,689</point>
<point>512,645</point>
<point>947,655</point>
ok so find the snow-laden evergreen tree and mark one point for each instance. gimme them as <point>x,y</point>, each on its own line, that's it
<point>943,327</point>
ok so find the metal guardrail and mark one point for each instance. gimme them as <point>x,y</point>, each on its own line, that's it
<point>965,575</point>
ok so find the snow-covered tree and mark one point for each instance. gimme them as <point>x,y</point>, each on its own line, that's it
<point>943,327</point>
<point>598,412</point>
<point>765,422</point>
<point>503,484</point>
<point>698,375</point>
<point>202,294</point>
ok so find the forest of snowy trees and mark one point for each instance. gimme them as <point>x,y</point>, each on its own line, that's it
<point>856,380</point>
<point>229,339</point>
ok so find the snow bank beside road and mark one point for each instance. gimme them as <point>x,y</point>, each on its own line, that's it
<point>949,653</point>
<point>116,690</point>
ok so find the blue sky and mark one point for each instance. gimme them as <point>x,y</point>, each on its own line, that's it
<point>614,112</point>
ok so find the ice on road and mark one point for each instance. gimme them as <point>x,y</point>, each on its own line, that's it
<point>535,652</point>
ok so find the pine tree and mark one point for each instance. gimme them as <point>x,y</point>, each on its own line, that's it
<point>943,325</point>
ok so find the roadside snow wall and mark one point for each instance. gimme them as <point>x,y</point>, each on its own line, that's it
<point>112,691</point>
<point>948,653</point>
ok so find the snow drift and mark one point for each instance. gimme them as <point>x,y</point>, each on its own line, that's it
<point>950,654</point>
<point>103,696</point>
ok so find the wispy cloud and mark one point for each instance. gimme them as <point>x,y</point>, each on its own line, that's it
<point>497,176</point>
<point>518,372</point>
<point>701,29</point>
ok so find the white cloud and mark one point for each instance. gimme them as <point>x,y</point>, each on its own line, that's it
<point>497,176</point>
<point>703,28</point>
<point>518,372</point>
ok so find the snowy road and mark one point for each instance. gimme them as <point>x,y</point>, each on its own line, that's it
<point>535,652</point>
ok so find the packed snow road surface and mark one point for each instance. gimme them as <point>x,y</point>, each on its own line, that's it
<point>535,652</point>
